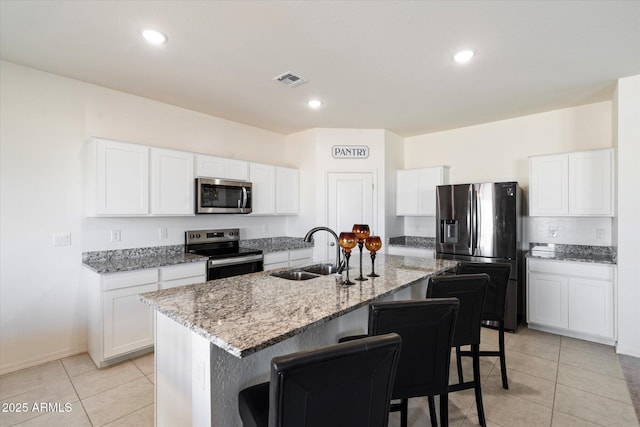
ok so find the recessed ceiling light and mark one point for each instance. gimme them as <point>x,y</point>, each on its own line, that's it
<point>314,104</point>
<point>463,56</point>
<point>154,37</point>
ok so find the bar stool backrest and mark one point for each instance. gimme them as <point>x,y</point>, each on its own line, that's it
<point>496,299</point>
<point>470,289</point>
<point>346,384</point>
<point>426,327</point>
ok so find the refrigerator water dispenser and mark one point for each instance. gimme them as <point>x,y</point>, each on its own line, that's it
<point>449,230</point>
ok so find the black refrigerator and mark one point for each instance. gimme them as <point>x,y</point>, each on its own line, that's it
<point>483,223</point>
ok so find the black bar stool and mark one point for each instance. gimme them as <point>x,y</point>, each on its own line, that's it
<point>494,307</point>
<point>470,289</point>
<point>426,328</point>
<point>345,384</point>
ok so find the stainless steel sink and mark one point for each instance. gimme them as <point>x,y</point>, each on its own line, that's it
<point>294,275</point>
<point>306,273</point>
<point>323,269</point>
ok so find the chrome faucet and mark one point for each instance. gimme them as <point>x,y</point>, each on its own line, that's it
<point>339,265</point>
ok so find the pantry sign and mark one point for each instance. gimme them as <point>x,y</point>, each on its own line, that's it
<point>350,151</point>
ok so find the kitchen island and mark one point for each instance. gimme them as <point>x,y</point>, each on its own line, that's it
<point>215,338</point>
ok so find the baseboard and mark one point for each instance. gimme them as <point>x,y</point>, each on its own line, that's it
<point>572,334</point>
<point>628,351</point>
<point>40,359</point>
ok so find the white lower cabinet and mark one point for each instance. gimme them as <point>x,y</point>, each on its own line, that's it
<point>572,298</point>
<point>548,300</point>
<point>291,258</point>
<point>591,306</point>
<point>120,325</point>
<point>128,322</point>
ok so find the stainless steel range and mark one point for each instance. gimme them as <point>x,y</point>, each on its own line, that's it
<point>226,257</point>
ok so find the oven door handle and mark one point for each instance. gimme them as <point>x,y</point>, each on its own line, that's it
<point>233,261</point>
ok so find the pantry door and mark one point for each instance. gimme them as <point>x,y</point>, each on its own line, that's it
<point>351,200</point>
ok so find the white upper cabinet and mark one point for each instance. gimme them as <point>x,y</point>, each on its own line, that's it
<point>416,190</point>
<point>127,179</point>
<point>287,191</point>
<point>549,185</point>
<point>407,192</point>
<point>172,182</point>
<point>572,184</point>
<point>219,167</point>
<point>263,192</point>
<point>117,178</point>
<point>591,183</point>
<point>275,191</point>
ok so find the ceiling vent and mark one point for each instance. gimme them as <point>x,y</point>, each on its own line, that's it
<point>289,79</point>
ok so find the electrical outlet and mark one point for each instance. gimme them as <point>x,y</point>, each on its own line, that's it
<point>599,233</point>
<point>553,231</point>
<point>163,233</point>
<point>62,239</point>
<point>116,236</point>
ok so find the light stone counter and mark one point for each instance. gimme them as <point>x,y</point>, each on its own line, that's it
<point>215,338</point>
<point>244,314</point>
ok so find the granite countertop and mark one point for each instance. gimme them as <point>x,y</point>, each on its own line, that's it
<point>103,262</point>
<point>576,253</point>
<point>276,244</point>
<point>244,314</point>
<point>413,242</point>
<point>112,261</point>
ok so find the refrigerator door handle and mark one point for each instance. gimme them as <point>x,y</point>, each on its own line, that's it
<point>471,216</point>
<point>474,220</point>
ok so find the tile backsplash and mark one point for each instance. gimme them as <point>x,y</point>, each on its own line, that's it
<point>593,231</point>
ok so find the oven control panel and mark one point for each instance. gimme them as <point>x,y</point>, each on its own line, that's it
<point>210,236</point>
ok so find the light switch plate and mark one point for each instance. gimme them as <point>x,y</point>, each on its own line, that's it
<point>553,231</point>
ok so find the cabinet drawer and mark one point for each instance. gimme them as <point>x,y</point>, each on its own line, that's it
<point>183,270</point>
<point>276,265</point>
<point>129,278</point>
<point>274,257</point>
<point>300,254</point>
<point>569,268</point>
<point>182,281</point>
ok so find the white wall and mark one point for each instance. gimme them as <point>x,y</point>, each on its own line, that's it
<point>499,151</point>
<point>311,151</point>
<point>42,303</point>
<point>627,138</point>
<point>45,122</point>
<point>301,151</point>
<point>394,160</point>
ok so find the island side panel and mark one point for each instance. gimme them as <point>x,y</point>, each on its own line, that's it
<point>230,374</point>
<point>173,373</point>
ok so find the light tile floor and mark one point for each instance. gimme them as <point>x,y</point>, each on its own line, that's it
<point>553,381</point>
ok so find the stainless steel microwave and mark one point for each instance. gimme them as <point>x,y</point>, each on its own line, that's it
<point>220,196</point>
